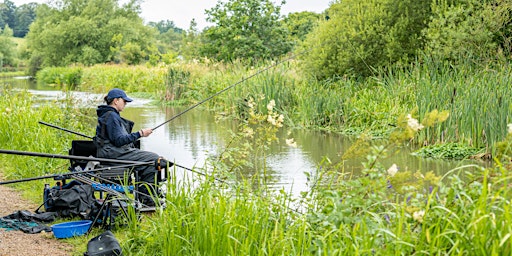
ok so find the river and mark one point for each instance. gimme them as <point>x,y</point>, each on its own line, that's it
<point>191,138</point>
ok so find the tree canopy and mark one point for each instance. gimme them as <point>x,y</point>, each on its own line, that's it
<point>18,18</point>
<point>245,29</point>
<point>363,35</point>
<point>7,47</point>
<point>89,32</point>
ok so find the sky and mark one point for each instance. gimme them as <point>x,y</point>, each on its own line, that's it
<point>182,12</point>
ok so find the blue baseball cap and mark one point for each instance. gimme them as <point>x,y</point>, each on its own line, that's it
<point>118,93</point>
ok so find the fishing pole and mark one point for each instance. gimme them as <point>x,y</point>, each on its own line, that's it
<point>229,87</point>
<point>65,175</point>
<point>72,157</point>
<point>64,129</point>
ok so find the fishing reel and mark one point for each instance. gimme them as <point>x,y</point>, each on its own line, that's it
<point>162,165</point>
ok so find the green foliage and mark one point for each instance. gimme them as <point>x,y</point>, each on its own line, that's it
<point>101,78</point>
<point>471,29</point>
<point>191,42</point>
<point>20,131</point>
<point>300,24</point>
<point>245,29</point>
<point>18,18</point>
<point>256,132</point>
<point>364,35</point>
<point>447,151</point>
<point>88,32</point>
<point>25,15</point>
<point>169,41</point>
<point>69,77</point>
<point>7,47</point>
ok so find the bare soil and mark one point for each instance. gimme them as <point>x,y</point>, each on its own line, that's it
<point>14,243</point>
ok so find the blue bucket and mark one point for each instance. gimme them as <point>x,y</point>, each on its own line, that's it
<point>70,229</point>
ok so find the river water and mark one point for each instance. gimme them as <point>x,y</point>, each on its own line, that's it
<point>192,137</point>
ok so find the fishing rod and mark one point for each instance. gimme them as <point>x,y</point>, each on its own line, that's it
<point>64,129</point>
<point>72,157</point>
<point>116,161</point>
<point>65,175</point>
<point>229,87</point>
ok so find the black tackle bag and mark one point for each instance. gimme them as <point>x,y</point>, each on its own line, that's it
<point>105,244</point>
<point>72,200</point>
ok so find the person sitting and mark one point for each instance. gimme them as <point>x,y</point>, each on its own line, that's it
<point>115,140</point>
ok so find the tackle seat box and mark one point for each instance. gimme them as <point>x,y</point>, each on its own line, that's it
<point>88,148</point>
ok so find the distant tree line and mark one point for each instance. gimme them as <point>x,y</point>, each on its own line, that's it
<point>358,38</point>
<point>18,18</point>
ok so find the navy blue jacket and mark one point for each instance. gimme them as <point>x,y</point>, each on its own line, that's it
<point>117,130</point>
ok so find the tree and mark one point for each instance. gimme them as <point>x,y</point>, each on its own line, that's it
<point>245,29</point>
<point>164,26</point>
<point>7,47</point>
<point>361,36</point>
<point>301,23</point>
<point>88,32</point>
<point>25,15</point>
<point>190,46</point>
<point>7,16</point>
<point>169,36</point>
<point>475,30</point>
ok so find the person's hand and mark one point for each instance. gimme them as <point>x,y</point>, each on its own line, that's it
<point>145,132</point>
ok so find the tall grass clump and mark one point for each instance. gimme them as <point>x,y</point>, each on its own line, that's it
<point>102,78</point>
<point>20,131</point>
<point>61,76</point>
<point>210,220</point>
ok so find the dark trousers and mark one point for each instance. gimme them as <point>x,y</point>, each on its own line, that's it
<point>148,175</point>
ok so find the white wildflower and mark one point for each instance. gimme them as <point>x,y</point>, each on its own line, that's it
<point>392,170</point>
<point>271,105</point>
<point>280,120</point>
<point>418,216</point>
<point>250,103</point>
<point>413,123</point>
<point>509,128</point>
<point>291,142</point>
<point>271,119</point>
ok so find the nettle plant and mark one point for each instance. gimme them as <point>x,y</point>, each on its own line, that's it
<point>366,203</point>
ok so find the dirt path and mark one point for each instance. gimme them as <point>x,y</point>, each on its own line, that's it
<point>17,243</point>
